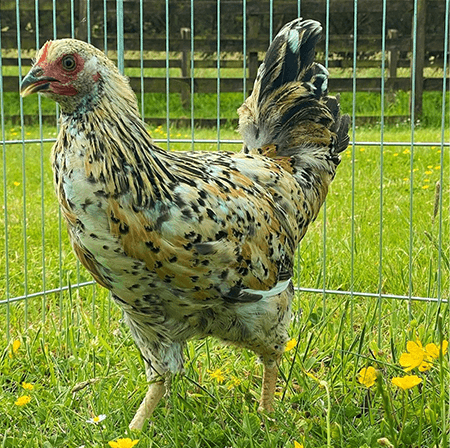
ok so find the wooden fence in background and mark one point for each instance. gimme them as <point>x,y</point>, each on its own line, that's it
<point>398,44</point>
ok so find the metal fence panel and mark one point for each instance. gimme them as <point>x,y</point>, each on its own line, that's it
<point>36,259</point>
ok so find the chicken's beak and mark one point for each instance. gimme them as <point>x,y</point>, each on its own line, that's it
<point>35,82</point>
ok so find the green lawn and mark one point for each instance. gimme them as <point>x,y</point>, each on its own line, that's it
<point>77,336</point>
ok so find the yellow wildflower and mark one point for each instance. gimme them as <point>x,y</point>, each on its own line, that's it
<point>15,347</point>
<point>396,154</point>
<point>217,375</point>
<point>233,383</point>
<point>415,357</point>
<point>123,443</point>
<point>425,366</point>
<point>406,382</point>
<point>428,172</point>
<point>433,350</point>
<point>27,386</point>
<point>290,345</point>
<point>424,187</point>
<point>297,445</point>
<point>23,400</point>
<point>421,357</point>
<point>368,376</point>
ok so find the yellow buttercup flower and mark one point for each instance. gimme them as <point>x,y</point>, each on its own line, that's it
<point>23,400</point>
<point>420,357</point>
<point>425,366</point>
<point>415,357</point>
<point>290,345</point>
<point>406,382</point>
<point>217,375</point>
<point>123,443</point>
<point>297,445</point>
<point>15,347</point>
<point>367,376</point>
<point>433,350</point>
<point>27,386</point>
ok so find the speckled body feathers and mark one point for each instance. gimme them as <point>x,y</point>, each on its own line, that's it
<point>194,244</point>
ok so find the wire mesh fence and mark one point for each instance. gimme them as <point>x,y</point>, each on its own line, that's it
<point>384,232</point>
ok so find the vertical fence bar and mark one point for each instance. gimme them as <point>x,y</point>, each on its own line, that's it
<point>411,174</point>
<point>352,244</point>
<point>167,78</point>
<point>271,21</point>
<point>445,74</point>
<point>324,207</point>
<point>105,26</point>
<point>327,31</point>
<point>41,145</point>
<point>441,158</point>
<point>380,249</point>
<point>218,75</point>
<point>105,44</point>
<point>192,78</point>
<point>60,237</point>
<point>72,19</point>
<point>244,49</point>
<point>88,20</point>
<point>5,195</point>
<point>120,43</point>
<point>141,54</point>
<point>24,178</point>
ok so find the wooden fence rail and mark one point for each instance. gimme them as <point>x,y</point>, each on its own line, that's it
<point>429,40</point>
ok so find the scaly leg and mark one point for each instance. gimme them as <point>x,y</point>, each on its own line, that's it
<point>268,386</point>
<point>155,392</point>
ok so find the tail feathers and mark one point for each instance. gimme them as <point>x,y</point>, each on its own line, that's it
<point>290,53</point>
<point>289,106</point>
<point>340,126</point>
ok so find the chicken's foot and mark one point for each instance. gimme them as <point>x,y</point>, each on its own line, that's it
<point>155,392</point>
<point>268,387</point>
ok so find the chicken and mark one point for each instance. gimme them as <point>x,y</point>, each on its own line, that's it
<point>193,244</point>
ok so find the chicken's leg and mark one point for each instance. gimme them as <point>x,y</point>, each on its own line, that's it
<point>268,386</point>
<point>154,394</point>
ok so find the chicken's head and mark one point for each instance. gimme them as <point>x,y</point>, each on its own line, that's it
<point>72,73</point>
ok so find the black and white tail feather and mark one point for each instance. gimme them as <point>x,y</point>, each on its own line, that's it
<point>291,90</point>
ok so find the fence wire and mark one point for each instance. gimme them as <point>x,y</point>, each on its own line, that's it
<point>52,283</point>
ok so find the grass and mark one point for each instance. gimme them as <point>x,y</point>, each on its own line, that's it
<point>76,339</point>
<point>205,105</point>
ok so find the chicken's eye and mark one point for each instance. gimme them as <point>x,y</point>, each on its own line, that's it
<point>68,62</point>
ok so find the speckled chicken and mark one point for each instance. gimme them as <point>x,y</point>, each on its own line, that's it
<point>193,244</point>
